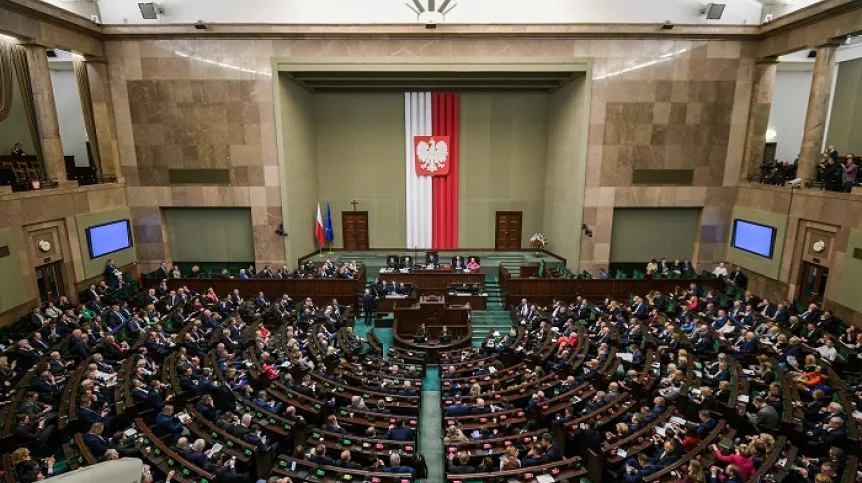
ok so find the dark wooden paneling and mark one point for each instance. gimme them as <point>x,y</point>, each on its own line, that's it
<point>321,291</point>
<point>544,290</point>
<point>199,176</point>
<point>680,177</point>
<point>435,281</point>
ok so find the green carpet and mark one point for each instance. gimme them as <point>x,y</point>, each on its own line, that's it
<point>430,429</point>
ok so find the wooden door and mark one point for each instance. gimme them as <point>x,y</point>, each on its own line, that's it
<point>508,231</point>
<point>49,280</point>
<point>812,283</point>
<point>354,226</point>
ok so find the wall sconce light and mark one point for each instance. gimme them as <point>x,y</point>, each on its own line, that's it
<point>771,134</point>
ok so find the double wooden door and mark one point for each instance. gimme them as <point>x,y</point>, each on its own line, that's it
<point>355,229</point>
<point>508,230</point>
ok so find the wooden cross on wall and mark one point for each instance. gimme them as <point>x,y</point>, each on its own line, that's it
<point>354,203</point>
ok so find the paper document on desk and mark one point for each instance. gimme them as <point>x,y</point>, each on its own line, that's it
<point>545,479</point>
<point>659,430</point>
<point>742,398</point>
<point>748,372</point>
<point>678,421</point>
<point>215,449</point>
<point>625,356</point>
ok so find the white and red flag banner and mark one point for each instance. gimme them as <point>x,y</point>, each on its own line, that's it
<point>431,141</point>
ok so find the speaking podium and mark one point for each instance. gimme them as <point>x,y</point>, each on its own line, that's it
<point>434,313</point>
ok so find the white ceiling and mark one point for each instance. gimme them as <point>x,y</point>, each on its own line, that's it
<point>467,11</point>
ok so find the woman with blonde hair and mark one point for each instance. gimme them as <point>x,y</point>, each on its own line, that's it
<point>475,390</point>
<point>695,473</point>
<point>509,460</point>
<point>455,435</point>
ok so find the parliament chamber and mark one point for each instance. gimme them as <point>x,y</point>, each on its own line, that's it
<point>451,241</point>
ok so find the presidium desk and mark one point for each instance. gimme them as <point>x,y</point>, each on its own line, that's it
<point>434,313</point>
<point>434,281</point>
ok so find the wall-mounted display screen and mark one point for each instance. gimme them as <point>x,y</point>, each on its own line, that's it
<point>753,238</point>
<point>109,238</point>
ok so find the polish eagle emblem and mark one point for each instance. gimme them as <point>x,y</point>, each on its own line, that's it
<point>432,155</point>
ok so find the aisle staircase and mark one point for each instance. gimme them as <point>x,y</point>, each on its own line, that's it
<point>495,318</point>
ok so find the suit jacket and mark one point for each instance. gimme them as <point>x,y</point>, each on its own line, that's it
<point>457,410</point>
<point>96,443</point>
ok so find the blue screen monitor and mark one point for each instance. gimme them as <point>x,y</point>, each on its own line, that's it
<point>753,238</point>
<point>109,238</point>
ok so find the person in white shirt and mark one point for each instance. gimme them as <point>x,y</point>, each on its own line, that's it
<point>720,271</point>
<point>827,351</point>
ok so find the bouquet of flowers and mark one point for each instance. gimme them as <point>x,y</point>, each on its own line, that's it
<point>538,241</point>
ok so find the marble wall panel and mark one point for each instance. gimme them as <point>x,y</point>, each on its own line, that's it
<point>209,104</point>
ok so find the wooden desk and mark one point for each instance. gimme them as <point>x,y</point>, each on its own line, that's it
<point>542,291</point>
<point>321,290</point>
<point>435,315</point>
<point>434,281</point>
<point>477,302</point>
<point>387,304</point>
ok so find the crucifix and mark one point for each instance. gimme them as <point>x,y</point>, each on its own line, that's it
<point>354,203</point>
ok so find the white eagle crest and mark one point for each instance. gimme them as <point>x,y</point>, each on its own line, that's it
<point>432,155</point>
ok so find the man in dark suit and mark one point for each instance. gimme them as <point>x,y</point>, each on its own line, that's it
<point>461,465</point>
<point>168,426</point>
<point>162,272</point>
<point>639,309</point>
<point>94,440</point>
<point>318,456</point>
<point>458,263</point>
<point>111,273</point>
<point>811,315</point>
<point>738,279</point>
<point>832,433</point>
<point>400,432</point>
<point>782,315</point>
<point>457,408</point>
<point>197,457</point>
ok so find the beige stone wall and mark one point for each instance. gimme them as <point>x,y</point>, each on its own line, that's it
<point>52,215</point>
<point>828,212</point>
<point>173,109</point>
<point>654,103</point>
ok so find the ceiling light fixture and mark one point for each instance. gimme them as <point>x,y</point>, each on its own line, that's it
<point>430,13</point>
<point>150,10</point>
<point>200,25</point>
<point>714,11</point>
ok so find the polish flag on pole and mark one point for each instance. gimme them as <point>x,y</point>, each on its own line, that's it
<point>318,228</point>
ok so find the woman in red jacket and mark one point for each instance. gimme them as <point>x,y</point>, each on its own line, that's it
<point>742,459</point>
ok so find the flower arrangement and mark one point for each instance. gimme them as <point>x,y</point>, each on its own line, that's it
<point>538,241</point>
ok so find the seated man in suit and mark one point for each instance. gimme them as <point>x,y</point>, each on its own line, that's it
<point>196,455</point>
<point>407,263</point>
<point>332,426</point>
<point>457,408</point>
<point>168,426</point>
<point>445,335</point>
<point>94,440</point>
<point>400,432</point>
<point>431,261</point>
<point>395,465</point>
<point>706,424</point>
<point>458,263</point>
<point>318,456</point>
<point>766,417</point>
<point>421,335</point>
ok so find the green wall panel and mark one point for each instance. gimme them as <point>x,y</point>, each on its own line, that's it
<point>641,234</point>
<point>298,161</point>
<point>360,156</point>
<point>850,285</point>
<point>95,266</point>
<point>565,173</point>
<point>210,234</point>
<point>502,158</point>
<point>769,267</point>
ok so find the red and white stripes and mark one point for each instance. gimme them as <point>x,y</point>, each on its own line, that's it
<point>432,202</point>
